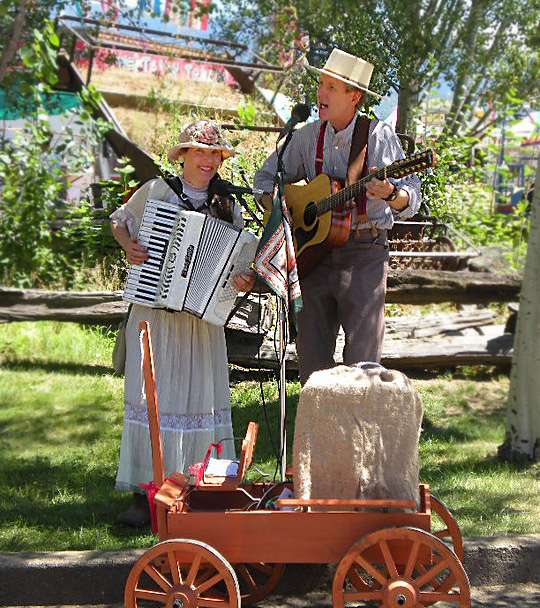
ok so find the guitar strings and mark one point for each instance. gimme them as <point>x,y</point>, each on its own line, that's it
<point>411,164</point>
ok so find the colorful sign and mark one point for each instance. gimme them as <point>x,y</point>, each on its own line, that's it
<point>148,63</point>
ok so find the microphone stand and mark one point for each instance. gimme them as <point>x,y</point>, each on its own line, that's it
<point>283,336</point>
<point>240,198</point>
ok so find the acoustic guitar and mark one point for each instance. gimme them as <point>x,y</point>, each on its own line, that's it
<point>320,221</point>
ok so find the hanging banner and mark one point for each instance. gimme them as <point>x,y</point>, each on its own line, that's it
<point>148,63</point>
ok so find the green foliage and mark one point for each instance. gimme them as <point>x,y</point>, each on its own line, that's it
<point>33,206</point>
<point>39,54</point>
<point>36,222</point>
<point>86,236</point>
<point>247,114</point>
<point>479,48</point>
<point>459,191</point>
<point>32,186</point>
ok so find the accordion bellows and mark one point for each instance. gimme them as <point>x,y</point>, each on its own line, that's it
<point>356,435</point>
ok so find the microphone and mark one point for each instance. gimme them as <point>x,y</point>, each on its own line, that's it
<point>232,189</point>
<point>224,188</point>
<point>300,113</point>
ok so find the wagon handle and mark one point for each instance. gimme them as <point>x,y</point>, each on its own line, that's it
<point>153,420</point>
<point>151,401</point>
<point>337,502</point>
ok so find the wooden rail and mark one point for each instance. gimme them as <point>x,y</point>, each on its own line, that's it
<point>469,337</point>
<point>404,287</point>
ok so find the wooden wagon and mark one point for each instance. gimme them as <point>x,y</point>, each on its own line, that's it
<point>224,543</point>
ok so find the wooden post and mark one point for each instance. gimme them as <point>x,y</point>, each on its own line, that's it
<point>153,420</point>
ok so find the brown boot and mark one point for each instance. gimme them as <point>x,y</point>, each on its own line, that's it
<point>138,513</point>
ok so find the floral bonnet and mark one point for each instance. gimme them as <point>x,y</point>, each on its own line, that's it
<point>201,134</point>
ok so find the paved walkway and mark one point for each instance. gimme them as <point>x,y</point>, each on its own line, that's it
<point>501,596</point>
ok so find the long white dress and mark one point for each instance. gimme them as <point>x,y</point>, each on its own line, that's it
<point>192,377</point>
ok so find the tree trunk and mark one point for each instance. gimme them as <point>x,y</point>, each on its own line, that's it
<point>407,101</point>
<point>12,39</point>
<point>461,87</point>
<point>522,440</point>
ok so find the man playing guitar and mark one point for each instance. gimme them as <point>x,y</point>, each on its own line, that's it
<point>346,286</point>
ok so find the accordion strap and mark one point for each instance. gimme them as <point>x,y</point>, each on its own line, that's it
<point>175,184</point>
<point>217,205</point>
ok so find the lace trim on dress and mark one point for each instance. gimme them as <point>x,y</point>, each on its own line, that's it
<point>181,422</point>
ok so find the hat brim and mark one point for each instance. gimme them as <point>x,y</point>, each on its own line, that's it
<point>343,79</point>
<point>174,152</point>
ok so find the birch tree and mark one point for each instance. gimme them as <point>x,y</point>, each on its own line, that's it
<point>522,440</point>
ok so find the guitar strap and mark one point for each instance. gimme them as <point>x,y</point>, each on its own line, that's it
<point>357,164</point>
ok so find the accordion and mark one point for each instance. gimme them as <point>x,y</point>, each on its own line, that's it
<point>192,258</point>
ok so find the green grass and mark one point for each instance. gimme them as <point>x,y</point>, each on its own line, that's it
<point>61,418</point>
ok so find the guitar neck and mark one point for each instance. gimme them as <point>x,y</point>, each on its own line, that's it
<point>400,168</point>
<point>345,194</point>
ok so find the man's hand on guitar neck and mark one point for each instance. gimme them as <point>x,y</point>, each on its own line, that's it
<point>384,189</point>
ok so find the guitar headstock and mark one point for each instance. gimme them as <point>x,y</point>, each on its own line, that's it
<point>416,162</point>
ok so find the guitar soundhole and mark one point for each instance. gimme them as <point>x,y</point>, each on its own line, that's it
<point>310,214</point>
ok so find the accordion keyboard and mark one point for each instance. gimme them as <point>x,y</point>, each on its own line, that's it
<point>143,282</point>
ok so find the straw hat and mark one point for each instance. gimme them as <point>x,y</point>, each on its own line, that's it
<point>201,134</point>
<point>349,69</point>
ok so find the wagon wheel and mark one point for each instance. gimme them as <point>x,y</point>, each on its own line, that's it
<point>257,580</point>
<point>444,526</point>
<point>444,243</point>
<point>400,568</point>
<point>182,574</point>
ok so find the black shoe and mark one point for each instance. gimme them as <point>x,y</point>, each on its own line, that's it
<point>138,513</point>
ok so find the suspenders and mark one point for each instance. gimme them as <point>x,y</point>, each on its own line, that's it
<point>319,155</point>
<point>358,144</point>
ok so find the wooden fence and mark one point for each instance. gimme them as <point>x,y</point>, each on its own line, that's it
<point>469,337</point>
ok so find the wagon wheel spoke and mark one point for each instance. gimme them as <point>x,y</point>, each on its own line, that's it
<point>182,572</point>
<point>428,577</point>
<point>357,581</point>
<point>413,558</point>
<point>213,603</point>
<point>193,570</point>
<point>155,596</point>
<point>246,575</point>
<point>362,596</point>
<point>211,582</point>
<point>370,569</point>
<point>174,568</point>
<point>442,583</point>
<point>388,559</point>
<point>155,575</point>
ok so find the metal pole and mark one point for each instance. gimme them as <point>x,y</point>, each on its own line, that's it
<point>282,387</point>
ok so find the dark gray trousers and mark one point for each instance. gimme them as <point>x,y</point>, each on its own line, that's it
<point>347,288</point>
